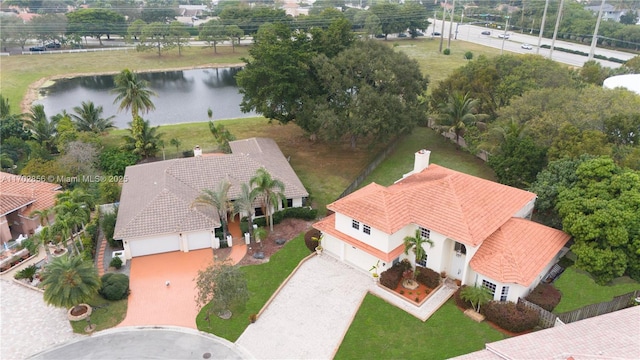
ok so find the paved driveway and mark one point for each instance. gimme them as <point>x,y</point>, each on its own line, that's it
<point>310,315</point>
<point>151,302</point>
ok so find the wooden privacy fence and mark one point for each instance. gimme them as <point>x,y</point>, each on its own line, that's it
<point>548,319</point>
<point>374,164</point>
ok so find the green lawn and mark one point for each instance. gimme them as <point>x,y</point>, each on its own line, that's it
<point>579,289</point>
<point>262,280</point>
<point>104,318</point>
<point>382,331</point>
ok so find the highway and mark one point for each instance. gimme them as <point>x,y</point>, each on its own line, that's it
<point>472,33</point>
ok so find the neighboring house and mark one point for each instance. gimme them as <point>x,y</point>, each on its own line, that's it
<point>609,12</point>
<point>156,215</point>
<point>19,197</point>
<point>609,336</point>
<point>480,229</point>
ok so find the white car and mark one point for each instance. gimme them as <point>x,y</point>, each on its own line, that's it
<point>526,46</point>
<point>503,35</point>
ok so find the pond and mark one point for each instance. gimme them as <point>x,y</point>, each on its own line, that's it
<point>182,96</point>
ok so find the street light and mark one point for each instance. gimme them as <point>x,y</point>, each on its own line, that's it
<point>504,37</point>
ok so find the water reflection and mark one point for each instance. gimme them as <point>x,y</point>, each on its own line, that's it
<point>183,96</point>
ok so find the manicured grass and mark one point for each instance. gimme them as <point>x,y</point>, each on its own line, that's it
<point>104,318</point>
<point>579,289</point>
<point>18,72</point>
<point>382,331</point>
<point>443,152</point>
<point>262,280</point>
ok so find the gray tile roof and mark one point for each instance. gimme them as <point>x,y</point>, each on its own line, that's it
<point>610,336</point>
<point>157,197</point>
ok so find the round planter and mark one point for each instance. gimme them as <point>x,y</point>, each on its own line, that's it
<point>59,253</point>
<point>81,316</point>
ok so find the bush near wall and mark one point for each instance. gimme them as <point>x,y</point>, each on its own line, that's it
<point>428,277</point>
<point>114,286</point>
<point>546,296</point>
<point>303,213</point>
<point>392,276</point>
<point>309,241</point>
<point>510,316</point>
<point>460,302</point>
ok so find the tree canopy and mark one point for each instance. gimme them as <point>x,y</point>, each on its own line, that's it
<point>95,23</point>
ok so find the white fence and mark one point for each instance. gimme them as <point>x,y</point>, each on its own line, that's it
<point>70,51</point>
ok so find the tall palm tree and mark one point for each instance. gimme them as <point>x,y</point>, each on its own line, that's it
<point>133,93</point>
<point>45,236</point>
<point>458,113</point>
<point>69,216</point>
<point>145,142</point>
<point>64,228</point>
<point>88,117</point>
<point>42,130</point>
<point>415,243</point>
<point>271,191</point>
<point>219,200</point>
<point>45,233</point>
<point>77,195</point>
<point>245,204</point>
<point>69,281</point>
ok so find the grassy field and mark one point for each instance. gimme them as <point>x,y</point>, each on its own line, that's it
<point>262,281</point>
<point>104,318</point>
<point>382,331</point>
<point>579,289</point>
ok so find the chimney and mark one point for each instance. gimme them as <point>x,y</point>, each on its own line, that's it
<point>197,152</point>
<point>421,160</point>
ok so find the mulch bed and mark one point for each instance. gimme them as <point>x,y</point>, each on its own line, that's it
<point>421,292</point>
<point>287,230</point>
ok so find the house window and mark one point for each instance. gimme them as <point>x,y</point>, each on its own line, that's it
<point>355,224</point>
<point>460,249</point>
<point>422,262</point>
<point>259,211</point>
<point>504,293</point>
<point>425,233</point>
<point>489,286</point>
<point>289,203</point>
<point>366,229</point>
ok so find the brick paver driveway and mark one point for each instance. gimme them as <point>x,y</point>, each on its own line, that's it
<point>152,302</point>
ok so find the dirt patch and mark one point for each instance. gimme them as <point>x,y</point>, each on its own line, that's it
<point>286,230</point>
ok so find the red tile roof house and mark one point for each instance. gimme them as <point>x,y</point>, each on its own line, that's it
<point>480,229</point>
<point>156,215</point>
<point>19,197</point>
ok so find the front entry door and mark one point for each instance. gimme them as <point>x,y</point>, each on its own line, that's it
<point>458,260</point>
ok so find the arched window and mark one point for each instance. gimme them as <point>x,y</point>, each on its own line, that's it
<point>460,249</point>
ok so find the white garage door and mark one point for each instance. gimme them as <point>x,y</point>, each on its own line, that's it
<point>156,245</point>
<point>199,240</point>
<point>359,258</point>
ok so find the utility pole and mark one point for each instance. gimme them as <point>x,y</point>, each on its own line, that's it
<point>444,9</point>
<point>544,17</point>
<point>555,31</point>
<point>504,37</point>
<point>594,40</point>
<point>453,11</point>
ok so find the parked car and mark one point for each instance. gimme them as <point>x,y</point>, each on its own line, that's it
<point>486,32</point>
<point>402,35</point>
<point>503,36</point>
<point>53,45</point>
<point>37,48</point>
<point>380,36</point>
<point>419,33</point>
<point>526,46</point>
<point>435,33</point>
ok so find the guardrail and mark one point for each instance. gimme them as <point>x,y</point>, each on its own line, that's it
<point>71,51</point>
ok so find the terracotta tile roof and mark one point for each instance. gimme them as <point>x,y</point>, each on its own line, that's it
<point>17,191</point>
<point>608,336</point>
<point>518,251</point>
<point>328,226</point>
<point>157,197</point>
<point>463,207</point>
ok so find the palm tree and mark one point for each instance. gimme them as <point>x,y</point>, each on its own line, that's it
<point>45,233</point>
<point>458,113</point>
<point>415,243</point>
<point>145,142</point>
<point>271,190</point>
<point>477,296</point>
<point>89,118</point>
<point>69,281</point>
<point>219,200</point>
<point>70,215</point>
<point>175,142</point>
<point>42,130</point>
<point>245,204</point>
<point>133,93</point>
<point>64,227</point>
<point>77,195</point>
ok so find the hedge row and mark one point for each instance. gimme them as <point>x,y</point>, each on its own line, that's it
<point>546,296</point>
<point>303,213</point>
<point>427,277</point>
<point>511,317</point>
<point>392,276</point>
<point>582,53</point>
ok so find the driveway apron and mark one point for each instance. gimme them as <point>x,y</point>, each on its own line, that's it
<point>310,315</point>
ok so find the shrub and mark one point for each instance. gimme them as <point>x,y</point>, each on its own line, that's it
<point>546,296</point>
<point>116,262</point>
<point>468,55</point>
<point>391,277</point>
<point>427,277</point>
<point>447,51</point>
<point>303,213</point>
<point>565,262</point>
<point>114,286</point>
<point>30,245</point>
<point>309,239</point>
<point>510,316</point>
<point>108,224</point>
<point>27,273</point>
<point>460,302</point>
